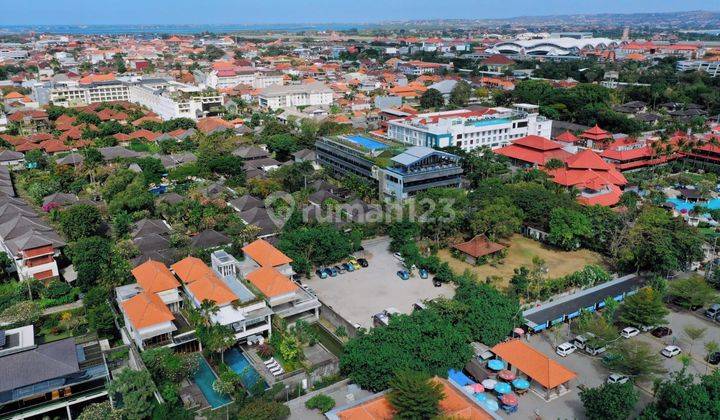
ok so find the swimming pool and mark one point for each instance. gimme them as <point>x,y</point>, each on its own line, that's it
<point>682,205</point>
<point>492,121</point>
<point>204,378</point>
<point>367,143</point>
<point>239,363</point>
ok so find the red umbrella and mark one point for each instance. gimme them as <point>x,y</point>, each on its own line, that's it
<point>519,331</point>
<point>509,399</point>
<point>506,375</point>
<point>478,388</point>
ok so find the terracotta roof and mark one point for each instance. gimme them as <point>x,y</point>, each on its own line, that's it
<point>533,363</point>
<point>455,405</point>
<point>211,288</point>
<point>265,254</point>
<point>567,137</point>
<point>145,310</point>
<point>479,246</point>
<point>154,276</point>
<point>595,133</point>
<point>538,143</point>
<point>270,282</point>
<point>191,269</point>
<point>587,159</point>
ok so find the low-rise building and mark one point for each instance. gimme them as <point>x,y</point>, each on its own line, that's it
<point>279,96</point>
<point>470,129</point>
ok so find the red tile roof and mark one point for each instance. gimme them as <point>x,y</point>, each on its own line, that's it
<point>479,246</point>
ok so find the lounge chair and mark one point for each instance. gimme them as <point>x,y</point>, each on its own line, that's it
<point>277,370</point>
<point>270,361</point>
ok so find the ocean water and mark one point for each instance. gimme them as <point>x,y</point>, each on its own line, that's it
<point>175,29</point>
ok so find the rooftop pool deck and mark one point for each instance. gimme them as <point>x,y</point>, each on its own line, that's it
<point>366,142</point>
<point>204,378</point>
<point>493,121</point>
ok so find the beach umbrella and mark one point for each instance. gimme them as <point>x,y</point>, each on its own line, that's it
<point>481,396</point>
<point>489,383</point>
<point>509,399</point>
<point>491,405</point>
<point>521,383</point>
<point>478,388</point>
<point>506,375</point>
<point>496,364</point>
<point>503,388</point>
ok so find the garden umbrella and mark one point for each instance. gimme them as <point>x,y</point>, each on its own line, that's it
<point>481,396</point>
<point>506,375</point>
<point>489,383</point>
<point>496,364</point>
<point>491,405</point>
<point>509,399</point>
<point>503,388</point>
<point>478,388</point>
<point>521,383</point>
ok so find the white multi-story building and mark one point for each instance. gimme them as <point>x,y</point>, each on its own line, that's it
<point>710,67</point>
<point>491,127</point>
<point>73,94</point>
<point>229,78</point>
<point>277,96</point>
<point>170,99</point>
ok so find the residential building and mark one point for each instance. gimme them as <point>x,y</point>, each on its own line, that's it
<point>403,175</point>
<point>710,67</point>
<point>231,77</point>
<point>72,93</point>
<point>170,99</point>
<point>470,129</point>
<point>269,270</point>
<point>279,96</point>
<point>151,307</point>
<point>238,307</point>
<point>47,380</point>
<point>418,68</point>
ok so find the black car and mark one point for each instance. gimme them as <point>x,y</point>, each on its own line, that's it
<point>363,262</point>
<point>714,358</point>
<point>660,332</point>
<point>437,283</point>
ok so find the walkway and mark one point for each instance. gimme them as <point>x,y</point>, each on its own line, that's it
<point>62,308</point>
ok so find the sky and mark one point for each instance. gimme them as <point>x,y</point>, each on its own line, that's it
<point>48,12</point>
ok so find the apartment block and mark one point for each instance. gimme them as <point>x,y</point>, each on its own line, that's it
<point>278,96</point>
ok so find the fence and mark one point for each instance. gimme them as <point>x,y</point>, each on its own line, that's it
<point>328,314</point>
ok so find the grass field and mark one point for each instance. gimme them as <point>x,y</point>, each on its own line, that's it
<point>521,251</point>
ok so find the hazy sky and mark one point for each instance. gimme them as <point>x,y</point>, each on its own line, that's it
<point>303,11</point>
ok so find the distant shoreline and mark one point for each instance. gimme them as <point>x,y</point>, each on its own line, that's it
<point>176,29</point>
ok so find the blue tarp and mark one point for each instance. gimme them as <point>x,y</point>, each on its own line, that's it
<point>459,378</point>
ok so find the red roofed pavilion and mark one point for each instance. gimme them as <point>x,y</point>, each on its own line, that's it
<point>595,135</point>
<point>567,137</point>
<point>599,182</point>
<point>535,150</point>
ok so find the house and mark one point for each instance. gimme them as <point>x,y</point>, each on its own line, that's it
<point>598,181</point>
<point>269,270</point>
<point>497,63</point>
<point>209,239</point>
<point>11,158</point>
<point>42,378</point>
<point>478,247</point>
<point>533,151</point>
<point>237,306</point>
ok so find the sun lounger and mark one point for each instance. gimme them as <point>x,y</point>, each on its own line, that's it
<point>270,361</point>
<point>277,370</point>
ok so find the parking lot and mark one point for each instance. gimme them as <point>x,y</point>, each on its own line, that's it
<point>360,294</point>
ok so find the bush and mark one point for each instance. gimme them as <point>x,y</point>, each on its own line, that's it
<point>266,350</point>
<point>320,402</point>
<point>57,289</point>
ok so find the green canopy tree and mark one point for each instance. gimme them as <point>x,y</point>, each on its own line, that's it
<point>680,397</point>
<point>80,221</point>
<point>637,359</point>
<point>644,308</point>
<point>691,292</point>
<point>568,228</point>
<point>460,94</point>
<point>432,98</point>
<point>498,219</point>
<point>133,391</point>
<point>415,396</point>
<point>609,401</point>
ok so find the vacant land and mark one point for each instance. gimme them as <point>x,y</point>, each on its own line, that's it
<point>521,251</point>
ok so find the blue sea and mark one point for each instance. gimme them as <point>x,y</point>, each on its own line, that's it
<point>175,29</point>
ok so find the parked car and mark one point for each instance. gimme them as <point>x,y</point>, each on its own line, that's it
<point>309,289</point>
<point>714,358</point>
<point>354,263</point>
<point>616,378</point>
<point>333,271</point>
<point>363,262</point>
<point>713,311</point>
<point>437,283</point>
<point>349,267</point>
<point>581,340</point>
<point>327,271</point>
<point>399,257</point>
<point>670,351</point>
<point>628,332</point>
<point>565,348</point>
<point>403,274</point>
<point>594,349</point>
<point>320,272</point>
<point>661,332</point>
<point>423,273</point>
<point>339,268</point>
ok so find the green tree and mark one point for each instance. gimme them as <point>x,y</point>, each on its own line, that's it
<point>680,397</point>
<point>609,401</point>
<point>432,98</point>
<point>100,318</point>
<point>91,258</point>
<point>133,392</point>
<point>491,315</point>
<point>460,94</point>
<point>415,396</point>
<point>99,411</point>
<point>283,145</point>
<point>315,245</point>
<point>20,314</point>
<point>498,219</point>
<point>691,292</point>
<point>261,409</point>
<point>644,309</point>
<point>694,334</point>
<point>568,228</point>
<point>80,221</point>
<point>321,402</point>
<point>603,332</point>
<point>637,359</point>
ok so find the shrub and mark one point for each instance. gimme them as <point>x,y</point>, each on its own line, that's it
<point>266,350</point>
<point>320,402</point>
<point>57,289</point>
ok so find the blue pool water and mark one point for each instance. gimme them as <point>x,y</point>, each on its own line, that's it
<point>483,123</point>
<point>241,365</point>
<point>681,204</point>
<point>367,143</point>
<point>204,378</point>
